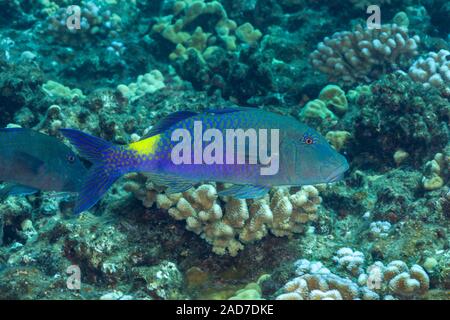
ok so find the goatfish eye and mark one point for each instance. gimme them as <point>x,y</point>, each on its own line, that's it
<point>309,138</point>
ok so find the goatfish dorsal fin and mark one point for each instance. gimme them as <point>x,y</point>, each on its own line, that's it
<point>169,121</point>
<point>178,116</point>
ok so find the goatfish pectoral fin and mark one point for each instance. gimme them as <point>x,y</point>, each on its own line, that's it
<point>245,191</point>
<point>13,189</point>
<point>100,177</point>
<point>174,184</point>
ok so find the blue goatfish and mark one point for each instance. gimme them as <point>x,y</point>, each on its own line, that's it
<point>176,154</point>
<point>31,161</point>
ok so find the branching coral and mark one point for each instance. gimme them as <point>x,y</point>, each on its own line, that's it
<point>175,28</point>
<point>433,70</point>
<point>364,54</point>
<point>227,223</point>
<point>380,229</point>
<point>210,50</point>
<point>292,211</point>
<point>349,260</point>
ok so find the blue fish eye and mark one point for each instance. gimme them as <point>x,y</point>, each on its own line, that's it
<point>70,158</point>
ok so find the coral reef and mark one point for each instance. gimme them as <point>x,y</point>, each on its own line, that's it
<point>380,97</point>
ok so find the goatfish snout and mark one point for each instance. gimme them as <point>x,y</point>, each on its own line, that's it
<point>297,155</point>
<point>31,161</point>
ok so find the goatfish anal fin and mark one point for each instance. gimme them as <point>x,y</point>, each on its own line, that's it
<point>174,184</point>
<point>245,191</point>
<point>14,189</point>
<point>100,176</point>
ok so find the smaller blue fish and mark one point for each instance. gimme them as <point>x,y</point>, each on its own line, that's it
<point>31,161</point>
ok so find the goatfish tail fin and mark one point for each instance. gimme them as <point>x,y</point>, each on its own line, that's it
<point>101,175</point>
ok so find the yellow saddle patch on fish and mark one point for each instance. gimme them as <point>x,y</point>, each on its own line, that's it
<point>146,146</point>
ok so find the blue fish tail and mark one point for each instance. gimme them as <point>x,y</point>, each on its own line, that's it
<point>100,176</point>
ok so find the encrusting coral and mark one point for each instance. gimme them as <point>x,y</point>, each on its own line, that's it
<point>147,83</point>
<point>363,55</point>
<point>314,281</point>
<point>396,280</point>
<point>57,90</point>
<point>331,102</point>
<point>338,138</point>
<point>227,223</point>
<point>335,99</point>
<point>435,171</point>
<point>252,291</point>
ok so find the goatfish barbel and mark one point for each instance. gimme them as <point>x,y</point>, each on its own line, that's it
<point>31,161</point>
<point>169,154</point>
